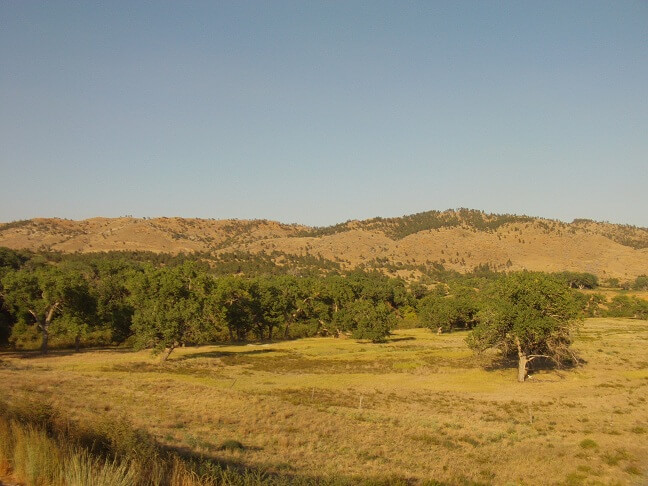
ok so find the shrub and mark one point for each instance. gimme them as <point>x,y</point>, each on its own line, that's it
<point>641,283</point>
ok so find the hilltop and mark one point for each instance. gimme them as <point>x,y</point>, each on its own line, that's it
<point>458,240</point>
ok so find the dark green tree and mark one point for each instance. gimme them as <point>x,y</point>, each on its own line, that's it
<point>231,304</point>
<point>312,307</point>
<point>367,320</point>
<point>10,260</point>
<point>110,286</point>
<point>273,303</point>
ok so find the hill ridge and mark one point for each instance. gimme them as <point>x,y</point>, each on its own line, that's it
<point>459,239</point>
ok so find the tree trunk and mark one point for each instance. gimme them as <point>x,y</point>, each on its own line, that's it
<point>166,354</point>
<point>522,362</point>
<point>77,343</point>
<point>286,330</point>
<point>522,368</point>
<point>270,333</point>
<point>45,339</point>
<point>44,325</point>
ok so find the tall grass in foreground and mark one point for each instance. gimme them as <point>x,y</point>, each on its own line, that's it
<point>39,448</point>
<point>32,457</point>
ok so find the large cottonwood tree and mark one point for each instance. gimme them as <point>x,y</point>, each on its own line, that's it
<point>527,315</point>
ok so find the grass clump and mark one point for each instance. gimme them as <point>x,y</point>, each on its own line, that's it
<point>632,469</point>
<point>588,444</point>
<point>613,459</point>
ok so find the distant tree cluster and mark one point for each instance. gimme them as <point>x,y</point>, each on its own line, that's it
<point>627,306</point>
<point>445,313</point>
<point>577,280</point>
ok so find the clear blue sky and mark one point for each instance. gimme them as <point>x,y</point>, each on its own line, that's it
<point>319,112</point>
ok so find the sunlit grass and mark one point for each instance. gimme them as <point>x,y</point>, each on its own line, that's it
<point>420,406</point>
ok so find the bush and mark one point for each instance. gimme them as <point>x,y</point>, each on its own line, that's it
<point>641,283</point>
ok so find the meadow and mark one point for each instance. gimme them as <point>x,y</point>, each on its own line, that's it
<point>417,408</point>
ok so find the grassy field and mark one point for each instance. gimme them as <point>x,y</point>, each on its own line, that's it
<point>419,407</point>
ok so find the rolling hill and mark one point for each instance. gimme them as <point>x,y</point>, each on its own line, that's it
<point>455,240</point>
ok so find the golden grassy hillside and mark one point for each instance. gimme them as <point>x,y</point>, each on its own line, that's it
<point>420,406</point>
<point>458,240</point>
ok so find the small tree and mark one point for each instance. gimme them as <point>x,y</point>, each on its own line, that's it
<point>528,316</point>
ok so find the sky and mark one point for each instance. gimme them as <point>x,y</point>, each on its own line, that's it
<point>320,112</point>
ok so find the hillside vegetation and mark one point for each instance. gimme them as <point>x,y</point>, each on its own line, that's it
<point>409,246</point>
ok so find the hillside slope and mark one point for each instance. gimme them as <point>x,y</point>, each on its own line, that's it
<point>454,239</point>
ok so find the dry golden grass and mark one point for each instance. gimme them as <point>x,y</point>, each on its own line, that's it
<point>420,406</point>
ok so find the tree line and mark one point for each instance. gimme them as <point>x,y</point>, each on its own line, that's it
<point>161,306</point>
<point>162,302</point>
